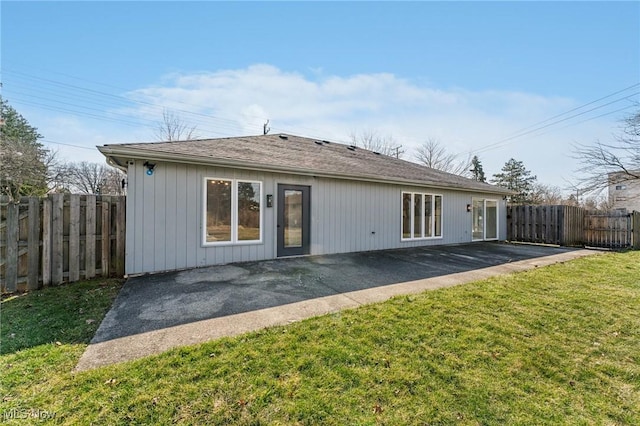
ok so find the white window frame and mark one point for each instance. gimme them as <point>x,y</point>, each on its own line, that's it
<point>234,213</point>
<point>423,236</point>
<point>484,219</point>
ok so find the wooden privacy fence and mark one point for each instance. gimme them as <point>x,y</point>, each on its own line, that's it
<point>63,237</point>
<point>612,229</point>
<point>573,226</point>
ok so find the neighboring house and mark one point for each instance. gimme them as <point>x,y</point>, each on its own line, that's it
<point>624,193</point>
<point>216,201</point>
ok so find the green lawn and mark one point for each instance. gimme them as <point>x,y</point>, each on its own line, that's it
<point>557,345</point>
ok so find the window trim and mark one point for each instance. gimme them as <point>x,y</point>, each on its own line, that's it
<point>234,213</point>
<point>423,236</point>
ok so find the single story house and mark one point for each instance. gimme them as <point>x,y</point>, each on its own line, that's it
<point>216,201</point>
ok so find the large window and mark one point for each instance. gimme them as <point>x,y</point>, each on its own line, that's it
<point>233,212</point>
<point>421,216</point>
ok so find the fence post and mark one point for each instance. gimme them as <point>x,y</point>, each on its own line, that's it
<point>33,244</point>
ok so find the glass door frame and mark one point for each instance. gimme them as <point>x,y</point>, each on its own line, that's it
<point>304,248</point>
<point>484,202</point>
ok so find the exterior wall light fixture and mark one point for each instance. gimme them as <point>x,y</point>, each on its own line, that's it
<point>150,168</point>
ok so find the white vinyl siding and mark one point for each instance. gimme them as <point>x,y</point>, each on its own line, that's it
<point>165,216</point>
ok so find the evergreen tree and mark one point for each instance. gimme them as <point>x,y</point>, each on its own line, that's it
<point>22,158</point>
<point>477,170</point>
<point>517,178</point>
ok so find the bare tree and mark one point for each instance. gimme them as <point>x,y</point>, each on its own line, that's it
<point>58,173</point>
<point>94,178</point>
<point>433,154</point>
<point>603,164</point>
<point>371,140</point>
<point>173,128</point>
<point>547,194</point>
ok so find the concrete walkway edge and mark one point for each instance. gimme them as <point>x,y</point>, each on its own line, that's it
<point>157,341</point>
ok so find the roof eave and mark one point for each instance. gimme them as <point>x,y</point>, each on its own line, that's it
<point>122,154</point>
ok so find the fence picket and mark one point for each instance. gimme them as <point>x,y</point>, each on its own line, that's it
<point>74,238</point>
<point>106,237</point>
<point>57,239</point>
<point>46,241</point>
<point>90,237</point>
<point>33,244</point>
<point>11,265</point>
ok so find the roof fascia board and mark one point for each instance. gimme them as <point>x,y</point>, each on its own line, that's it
<point>135,154</point>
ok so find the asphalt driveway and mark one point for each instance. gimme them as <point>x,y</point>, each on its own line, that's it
<point>154,302</point>
<point>155,313</point>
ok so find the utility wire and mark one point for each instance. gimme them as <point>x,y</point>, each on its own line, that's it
<point>45,140</point>
<point>234,125</point>
<point>523,132</point>
<point>123,99</point>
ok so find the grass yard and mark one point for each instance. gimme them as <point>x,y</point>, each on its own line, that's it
<point>559,344</point>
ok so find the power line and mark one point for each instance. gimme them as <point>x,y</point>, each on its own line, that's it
<point>580,107</point>
<point>102,98</point>
<point>45,140</point>
<point>230,124</point>
<point>126,100</point>
<point>524,131</point>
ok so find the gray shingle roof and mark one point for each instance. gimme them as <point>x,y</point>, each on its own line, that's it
<point>294,154</point>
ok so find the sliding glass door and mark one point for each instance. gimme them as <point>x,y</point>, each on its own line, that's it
<point>484,220</point>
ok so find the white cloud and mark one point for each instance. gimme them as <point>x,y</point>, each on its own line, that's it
<point>238,102</point>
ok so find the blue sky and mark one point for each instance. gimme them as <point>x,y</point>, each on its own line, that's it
<point>467,73</point>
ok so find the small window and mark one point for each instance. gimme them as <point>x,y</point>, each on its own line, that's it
<point>428,217</point>
<point>233,212</point>
<point>406,216</point>
<point>437,215</point>
<point>621,187</point>
<point>421,216</point>
<point>418,215</point>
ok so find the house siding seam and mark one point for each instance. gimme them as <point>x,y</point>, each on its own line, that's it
<point>165,214</point>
